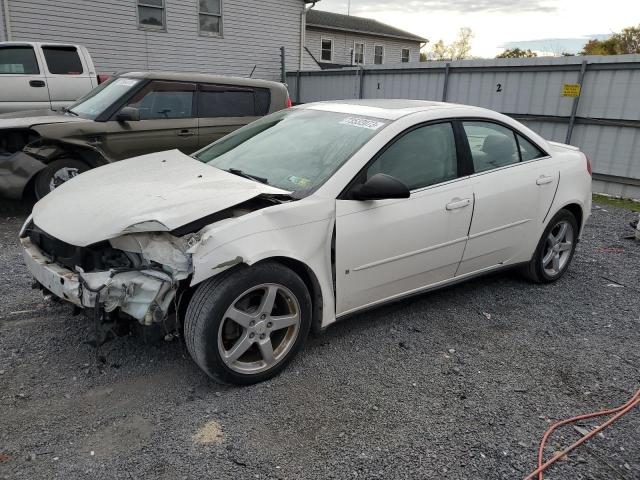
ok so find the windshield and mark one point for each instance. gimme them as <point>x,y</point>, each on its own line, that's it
<point>295,150</point>
<point>102,97</point>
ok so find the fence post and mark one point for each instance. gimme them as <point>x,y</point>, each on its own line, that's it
<point>446,82</point>
<point>283,67</point>
<point>576,101</point>
<point>298,81</point>
<point>361,92</point>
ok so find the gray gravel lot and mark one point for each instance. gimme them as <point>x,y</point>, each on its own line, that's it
<point>457,384</point>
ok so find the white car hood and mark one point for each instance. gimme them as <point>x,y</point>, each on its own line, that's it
<point>167,189</point>
<point>31,118</point>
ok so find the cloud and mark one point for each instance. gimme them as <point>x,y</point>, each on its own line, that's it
<point>426,6</point>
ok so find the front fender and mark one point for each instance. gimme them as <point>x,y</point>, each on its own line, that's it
<point>16,171</point>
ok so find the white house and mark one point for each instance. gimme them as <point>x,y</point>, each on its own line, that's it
<point>334,40</point>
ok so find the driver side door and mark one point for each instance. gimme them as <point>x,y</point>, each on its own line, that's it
<point>168,120</point>
<point>389,248</point>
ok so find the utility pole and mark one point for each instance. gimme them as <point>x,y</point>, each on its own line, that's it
<point>348,7</point>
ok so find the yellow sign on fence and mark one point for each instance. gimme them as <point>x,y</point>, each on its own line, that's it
<point>571,90</point>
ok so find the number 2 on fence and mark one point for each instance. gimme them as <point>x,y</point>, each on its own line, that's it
<point>499,87</point>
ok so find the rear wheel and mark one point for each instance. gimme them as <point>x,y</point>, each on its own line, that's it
<point>56,173</point>
<point>555,249</point>
<point>245,326</point>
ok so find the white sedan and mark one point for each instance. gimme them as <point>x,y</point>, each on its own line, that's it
<point>305,217</point>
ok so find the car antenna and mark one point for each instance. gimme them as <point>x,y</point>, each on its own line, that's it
<point>254,69</point>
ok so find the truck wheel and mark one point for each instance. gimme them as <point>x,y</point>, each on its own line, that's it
<point>555,249</point>
<point>56,173</point>
<point>245,326</point>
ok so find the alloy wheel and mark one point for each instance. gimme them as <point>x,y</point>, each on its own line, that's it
<point>558,248</point>
<point>62,175</point>
<point>259,328</point>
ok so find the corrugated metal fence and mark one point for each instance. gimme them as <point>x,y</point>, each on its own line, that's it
<point>604,120</point>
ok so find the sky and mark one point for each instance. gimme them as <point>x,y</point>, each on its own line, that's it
<point>546,26</point>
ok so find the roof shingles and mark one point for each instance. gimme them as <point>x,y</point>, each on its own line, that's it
<point>336,21</point>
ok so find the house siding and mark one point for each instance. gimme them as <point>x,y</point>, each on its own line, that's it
<point>254,31</point>
<point>3,26</point>
<point>343,44</point>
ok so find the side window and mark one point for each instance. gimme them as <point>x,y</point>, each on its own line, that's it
<point>162,100</point>
<point>226,101</point>
<point>151,14</point>
<point>63,60</point>
<point>20,60</point>
<point>210,17</point>
<point>406,55</point>
<point>492,145</point>
<point>326,45</point>
<point>424,156</point>
<point>528,151</point>
<point>378,54</point>
<point>358,53</point>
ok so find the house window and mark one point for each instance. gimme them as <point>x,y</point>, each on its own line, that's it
<point>358,53</point>
<point>406,55</point>
<point>327,50</point>
<point>151,14</point>
<point>210,17</point>
<point>378,54</point>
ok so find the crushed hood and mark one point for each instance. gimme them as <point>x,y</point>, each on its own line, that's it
<point>162,191</point>
<point>30,118</point>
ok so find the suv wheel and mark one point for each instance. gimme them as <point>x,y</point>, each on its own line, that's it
<point>56,173</point>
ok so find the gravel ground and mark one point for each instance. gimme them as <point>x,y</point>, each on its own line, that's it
<point>457,384</point>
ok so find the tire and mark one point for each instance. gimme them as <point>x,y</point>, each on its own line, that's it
<point>56,173</point>
<point>555,249</point>
<point>260,340</point>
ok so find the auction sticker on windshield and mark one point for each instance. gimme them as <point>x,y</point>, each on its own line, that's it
<point>362,123</point>
<point>126,82</point>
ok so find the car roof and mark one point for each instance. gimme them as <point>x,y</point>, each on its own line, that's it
<point>203,77</point>
<point>390,109</point>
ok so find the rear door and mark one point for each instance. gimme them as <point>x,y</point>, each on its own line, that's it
<point>513,188</point>
<point>167,121</point>
<point>68,75</point>
<point>224,108</point>
<point>23,85</point>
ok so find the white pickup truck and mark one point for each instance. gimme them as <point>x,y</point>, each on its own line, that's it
<point>36,75</point>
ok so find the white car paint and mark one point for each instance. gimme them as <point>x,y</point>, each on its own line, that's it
<point>384,249</point>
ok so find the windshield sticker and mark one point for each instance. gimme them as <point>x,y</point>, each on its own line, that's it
<point>126,82</point>
<point>362,123</point>
<point>299,181</point>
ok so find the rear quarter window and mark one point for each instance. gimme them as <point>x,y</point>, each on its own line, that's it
<point>18,60</point>
<point>227,101</point>
<point>63,60</point>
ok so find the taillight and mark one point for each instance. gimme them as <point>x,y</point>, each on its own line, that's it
<point>103,78</point>
<point>589,168</point>
<point>288,103</point>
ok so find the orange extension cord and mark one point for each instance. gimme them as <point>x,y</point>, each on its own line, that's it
<point>618,411</point>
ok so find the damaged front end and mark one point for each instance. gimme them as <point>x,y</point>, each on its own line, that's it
<point>17,168</point>
<point>138,274</point>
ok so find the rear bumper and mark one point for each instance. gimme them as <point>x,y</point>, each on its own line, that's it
<point>15,172</point>
<point>145,295</point>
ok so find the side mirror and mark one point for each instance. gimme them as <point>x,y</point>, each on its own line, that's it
<point>381,187</point>
<point>128,114</point>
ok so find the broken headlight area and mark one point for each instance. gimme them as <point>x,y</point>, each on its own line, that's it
<point>139,275</point>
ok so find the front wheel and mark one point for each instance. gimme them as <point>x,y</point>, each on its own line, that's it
<point>243,327</point>
<point>555,249</point>
<point>56,173</point>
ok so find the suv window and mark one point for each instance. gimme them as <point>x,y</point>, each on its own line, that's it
<point>422,157</point>
<point>227,101</point>
<point>63,60</point>
<point>528,151</point>
<point>492,145</point>
<point>18,60</point>
<point>162,100</point>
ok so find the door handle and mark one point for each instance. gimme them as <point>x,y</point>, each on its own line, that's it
<point>36,83</point>
<point>543,179</point>
<point>456,203</point>
<point>186,133</point>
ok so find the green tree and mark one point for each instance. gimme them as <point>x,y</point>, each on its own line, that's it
<point>458,50</point>
<point>625,42</point>
<point>517,53</point>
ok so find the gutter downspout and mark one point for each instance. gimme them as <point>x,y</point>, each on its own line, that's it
<point>303,33</point>
<point>7,20</point>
